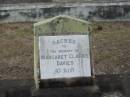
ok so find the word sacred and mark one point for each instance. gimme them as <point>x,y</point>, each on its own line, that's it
<point>61,41</point>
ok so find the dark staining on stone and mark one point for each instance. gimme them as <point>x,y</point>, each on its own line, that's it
<point>4,14</point>
<point>89,29</point>
<point>99,28</point>
<point>126,9</point>
<point>51,12</point>
<point>91,14</point>
<point>58,22</point>
<point>46,12</point>
<point>52,26</point>
<point>110,12</point>
<point>39,29</point>
<point>32,13</point>
<point>53,34</point>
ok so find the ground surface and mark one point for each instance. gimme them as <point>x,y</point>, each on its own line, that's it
<point>111,49</point>
<point>16,51</point>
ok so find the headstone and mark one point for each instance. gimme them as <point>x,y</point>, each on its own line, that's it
<point>62,49</point>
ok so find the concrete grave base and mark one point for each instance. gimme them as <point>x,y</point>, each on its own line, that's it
<point>33,12</point>
<point>89,91</point>
<point>104,84</point>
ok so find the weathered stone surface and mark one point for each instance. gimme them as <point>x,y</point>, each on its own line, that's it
<point>92,12</point>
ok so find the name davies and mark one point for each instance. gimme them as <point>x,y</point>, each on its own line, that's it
<point>64,56</point>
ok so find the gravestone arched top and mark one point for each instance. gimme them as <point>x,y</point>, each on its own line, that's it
<point>61,49</point>
<point>62,25</point>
